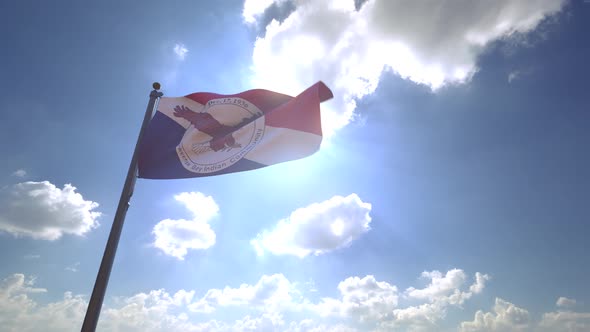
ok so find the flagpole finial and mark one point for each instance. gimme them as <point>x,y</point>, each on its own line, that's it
<point>156,86</point>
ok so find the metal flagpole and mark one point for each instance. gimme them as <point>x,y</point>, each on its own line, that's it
<point>102,278</point>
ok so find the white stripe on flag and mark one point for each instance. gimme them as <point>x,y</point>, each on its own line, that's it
<point>299,144</point>
<point>167,104</point>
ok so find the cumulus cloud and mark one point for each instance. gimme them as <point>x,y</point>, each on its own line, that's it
<point>180,50</point>
<point>254,8</point>
<point>376,302</point>
<point>447,287</point>
<point>17,284</point>
<point>442,292</point>
<point>153,311</point>
<point>365,298</point>
<point>21,173</point>
<point>565,321</point>
<point>269,292</point>
<point>176,236</point>
<point>363,304</point>
<point>43,211</point>
<point>439,285</point>
<point>564,302</point>
<point>507,317</point>
<point>430,43</point>
<point>317,229</point>
<point>480,282</point>
<point>504,317</point>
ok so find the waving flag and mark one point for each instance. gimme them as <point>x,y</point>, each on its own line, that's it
<point>205,134</point>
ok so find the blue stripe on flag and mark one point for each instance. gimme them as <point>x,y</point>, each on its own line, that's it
<point>158,158</point>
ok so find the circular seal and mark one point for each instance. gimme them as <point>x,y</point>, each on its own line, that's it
<point>219,136</point>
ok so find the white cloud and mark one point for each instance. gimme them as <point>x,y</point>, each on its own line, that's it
<point>377,302</point>
<point>430,43</point>
<point>565,321</point>
<point>447,287</point>
<point>176,236</point>
<point>254,8</point>
<point>505,317</point>
<point>564,302</point>
<point>270,292</point>
<point>16,284</point>
<point>519,74</point>
<point>308,325</point>
<point>442,292</point>
<point>439,286</point>
<point>42,211</point>
<point>480,282</point>
<point>180,50</point>
<point>73,268</point>
<point>19,173</point>
<point>202,207</point>
<point>513,75</point>
<point>154,311</point>
<point>366,298</point>
<point>273,304</point>
<point>14,299</point>
<point>317,229</point>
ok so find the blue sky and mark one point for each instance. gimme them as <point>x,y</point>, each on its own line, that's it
<point>454,158</point>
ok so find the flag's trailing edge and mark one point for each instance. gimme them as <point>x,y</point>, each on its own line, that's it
<point>205,134</point>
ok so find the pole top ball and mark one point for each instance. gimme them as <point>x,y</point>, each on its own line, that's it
<point>156,86</point>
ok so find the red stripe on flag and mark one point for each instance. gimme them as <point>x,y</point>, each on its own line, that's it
<point>263,99</point>
<point>282,111</point>
<point>302,112</point>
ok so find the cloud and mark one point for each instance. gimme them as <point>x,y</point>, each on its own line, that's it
<point>565,321</point>
<point>513,75</point>
<point>364,298</point>
<point>317,229</point>
<point>504,318</point>
<point>376,302</point>
<point>564,302</point>
<point>269,292</point>
<point>519,74</point>
<point>442,292</point>
<point>40,210</point>
<point>254,8</point>
<point>434,44</point>
<point>180,50</point>
<point>176,236</point>
<point>73,268</point>
<point>480,282</point>
<point>507,317</point>
<point>447,286</point>
<point>439,285</point>
<point>14,291</point>
<point>153,311</point>
<point>362,304</point>
<point>21,173</point>
<point>16,284</point>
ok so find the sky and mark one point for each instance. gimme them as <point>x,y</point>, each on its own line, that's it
<point>450,192</point>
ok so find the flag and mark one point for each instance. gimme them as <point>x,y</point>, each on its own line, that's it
<point>205,134</point>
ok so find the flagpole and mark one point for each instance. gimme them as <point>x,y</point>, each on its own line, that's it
<point>102,278</point>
